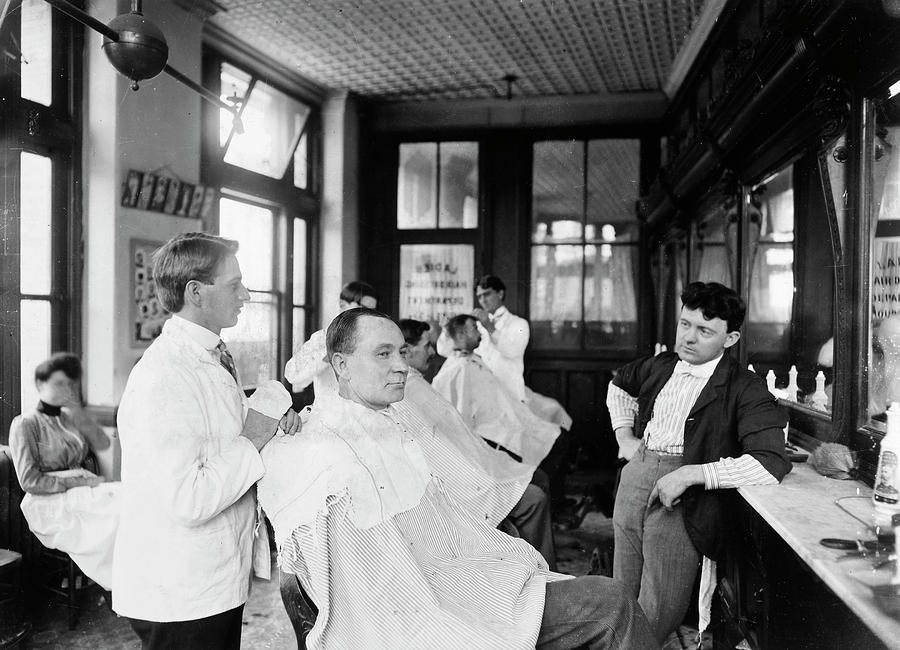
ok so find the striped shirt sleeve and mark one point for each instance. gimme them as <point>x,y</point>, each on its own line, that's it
<point>735,473</point>
<point>622,407</point>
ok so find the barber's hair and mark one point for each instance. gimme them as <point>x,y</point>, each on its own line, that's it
<point>491,282</point>
<point>457,324</point>
<point>341,335</point>
<point>412,330</point>
<point>355,291</point>
<point>186,257</point>
<point>715,300</point>
<point>69,363</point>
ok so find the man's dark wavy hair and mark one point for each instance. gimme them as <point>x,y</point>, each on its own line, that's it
<point>715,300</point>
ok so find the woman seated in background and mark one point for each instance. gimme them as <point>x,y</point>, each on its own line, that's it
<point>67,505</point>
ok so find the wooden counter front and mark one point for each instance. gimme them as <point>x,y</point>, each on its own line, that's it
<point>802,511</point>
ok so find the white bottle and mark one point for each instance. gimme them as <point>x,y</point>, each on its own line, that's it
<point>819,399</point>
<point>770,381</point>
<point>792,384</point>
<point>886,494</point>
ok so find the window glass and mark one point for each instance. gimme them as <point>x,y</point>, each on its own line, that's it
<point>253,342</point>
<point>37,51</point>
<point>34,317</point>
<point>436,280</point>
<point>35,250</point>
<point>417,186</point>
<point>459,185</point>
<point>299,328</point>
<point>610,303</point>
<point>299,279</point>
<point>557,191</point>
<point>584,233</point>
<point>252,226</point>
<point>612,182</point>
<point>272,124</point>
<point>556,285</point>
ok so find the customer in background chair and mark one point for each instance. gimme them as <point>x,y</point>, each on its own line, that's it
<point>67,505</point>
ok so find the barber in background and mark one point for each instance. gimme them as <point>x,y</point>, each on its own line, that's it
<point>190,458</point>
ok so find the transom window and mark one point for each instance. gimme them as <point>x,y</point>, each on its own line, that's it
<point>437,185</point>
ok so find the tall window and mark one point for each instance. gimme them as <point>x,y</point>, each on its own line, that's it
<point>584,237</point>
<point>39,132</point>
<point>265,165</point>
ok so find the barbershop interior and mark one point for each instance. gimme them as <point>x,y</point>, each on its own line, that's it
<point>575,164</point>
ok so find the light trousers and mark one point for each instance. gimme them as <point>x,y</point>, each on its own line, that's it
<point>654,558</point>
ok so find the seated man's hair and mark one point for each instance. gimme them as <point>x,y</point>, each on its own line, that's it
<point>356,290</point>
<point>412,330</point>
<point>491,282</point>
<point>69,363</point>
<point>341,335</point>
<point>457,324</point>
<point>186,257</point>
<point>715,300</point>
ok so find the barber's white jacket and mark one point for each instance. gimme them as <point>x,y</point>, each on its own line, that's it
<point>185,540</point>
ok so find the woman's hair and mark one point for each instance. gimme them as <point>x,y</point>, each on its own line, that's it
<point>491,282</point>
<point>69,363</point>
<point>715,300</point>
<point>186,257</point>
<point>413,330</point>
<point>355,291</point>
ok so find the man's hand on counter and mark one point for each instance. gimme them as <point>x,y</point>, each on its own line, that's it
<point>669,488</point>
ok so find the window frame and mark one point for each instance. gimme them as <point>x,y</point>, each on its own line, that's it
<point>636,245</point>
<point>53,131</point>
<point>287,201</point>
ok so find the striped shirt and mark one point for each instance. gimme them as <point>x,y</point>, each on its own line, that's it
<point>420,570</point>
<point>665,430</point>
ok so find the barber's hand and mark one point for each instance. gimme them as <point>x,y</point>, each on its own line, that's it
<point>94,481</point>
<point>290,423</point>
<point>483,318</point>
<point>669,488</point>
<point>259,428</point>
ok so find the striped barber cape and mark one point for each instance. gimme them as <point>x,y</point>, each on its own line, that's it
<point>387,554</point>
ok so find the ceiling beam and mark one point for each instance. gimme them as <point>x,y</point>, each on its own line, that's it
<point>690,49</point>
<point>519,112</point>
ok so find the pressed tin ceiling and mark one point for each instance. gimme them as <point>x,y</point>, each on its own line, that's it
<point>462,49</point>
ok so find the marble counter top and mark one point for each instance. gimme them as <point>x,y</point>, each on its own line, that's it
<point>802,511</point>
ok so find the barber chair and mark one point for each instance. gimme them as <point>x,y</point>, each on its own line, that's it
<point>60,576</point>
<point>300,608</point>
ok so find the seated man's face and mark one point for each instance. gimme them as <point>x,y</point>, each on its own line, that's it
<point>374,375</point>
<point>469,338</point>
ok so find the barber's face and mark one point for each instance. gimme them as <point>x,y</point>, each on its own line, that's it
<point>223,300</point>
<point>489,299</point>
<point>699,339</point>
<point>374,375</point>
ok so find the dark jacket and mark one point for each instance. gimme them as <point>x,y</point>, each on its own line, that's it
<point>734,414</point>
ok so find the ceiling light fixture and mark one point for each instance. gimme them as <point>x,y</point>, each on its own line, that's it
<point>137,48</point>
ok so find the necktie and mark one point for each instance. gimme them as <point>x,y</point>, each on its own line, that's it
<point>226,359</point>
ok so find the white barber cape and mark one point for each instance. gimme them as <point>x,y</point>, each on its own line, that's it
<point>503,351</point>
<point>489,409</point>
<point>390,559</point>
